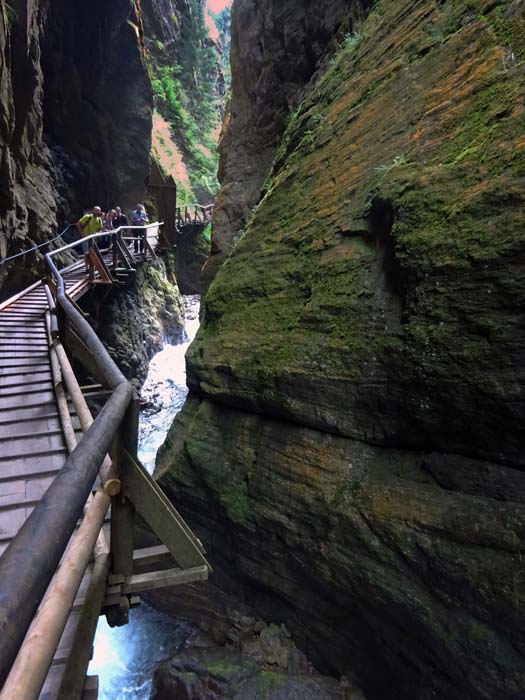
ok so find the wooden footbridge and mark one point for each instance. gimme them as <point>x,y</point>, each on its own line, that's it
<point>193,214</point>
<point>71,483</point>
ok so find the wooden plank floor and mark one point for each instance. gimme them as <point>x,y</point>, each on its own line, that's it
<point>32,446</point>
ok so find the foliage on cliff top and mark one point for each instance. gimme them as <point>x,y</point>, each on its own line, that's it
<point>188,93</point>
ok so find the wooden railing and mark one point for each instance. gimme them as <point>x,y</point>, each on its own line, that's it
<point>31,560</point>
<point>192,214</point>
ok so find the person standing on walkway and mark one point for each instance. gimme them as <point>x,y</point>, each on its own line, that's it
<point>138,217</point>
<point>121,219</point>
<point>87,225</point>
<point>109,225</point>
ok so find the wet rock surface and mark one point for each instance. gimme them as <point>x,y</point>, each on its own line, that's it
<point>135,323</point>
<point>193,249</point>
<point>352,451</point>
<point>211,674</point>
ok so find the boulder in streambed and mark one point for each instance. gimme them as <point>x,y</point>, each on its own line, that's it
<point>213,674</point>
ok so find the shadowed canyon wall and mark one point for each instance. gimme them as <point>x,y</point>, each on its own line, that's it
<point>352,451</point>
<point>75,126</point>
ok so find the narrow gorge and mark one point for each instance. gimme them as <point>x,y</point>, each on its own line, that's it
<point>350,452</point>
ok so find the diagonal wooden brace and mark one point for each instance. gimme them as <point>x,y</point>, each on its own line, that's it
<point>157,510</point>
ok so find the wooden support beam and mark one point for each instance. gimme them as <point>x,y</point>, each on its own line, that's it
<point>80,653</point>
<point>122,525</point>
<point>160,514</point>
<point>63,410</point>
<point>151,559</point>
<point>90,689</point>
<point>153,580</point>
<point>124,254</point>
<point>96,261</point>
<point>108,473</point>
<point>105,272</point>
<point>148,246</point>
<point>122,510</point>
<point>34,658</point>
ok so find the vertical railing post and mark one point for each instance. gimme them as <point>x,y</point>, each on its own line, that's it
<point>114,250</point>
<point>122,514</point>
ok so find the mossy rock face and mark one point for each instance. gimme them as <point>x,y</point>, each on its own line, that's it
<point>135,323</point>
<point>193,249</point>
<point>352,451</point>
<point>378,290</point>
<point>400,567</point>
<point>212,674</point>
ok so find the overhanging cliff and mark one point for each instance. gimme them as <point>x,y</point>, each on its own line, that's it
<point>352,452</point>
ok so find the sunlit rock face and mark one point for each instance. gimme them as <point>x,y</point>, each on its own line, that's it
<point>75,124</point>
<point>352,451</point>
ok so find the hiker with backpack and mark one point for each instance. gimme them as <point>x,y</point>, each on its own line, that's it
<point>87,225</point>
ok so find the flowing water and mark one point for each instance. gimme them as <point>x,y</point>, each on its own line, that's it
<point>124,657</point>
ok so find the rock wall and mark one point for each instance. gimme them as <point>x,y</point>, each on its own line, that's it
<point>276,47</point>
<point>184,57</point>
<point>135,323</point>
<point>75,125</point>
<point>352,451</point>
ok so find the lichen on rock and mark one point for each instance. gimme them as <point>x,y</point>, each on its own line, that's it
<point>211,674</point>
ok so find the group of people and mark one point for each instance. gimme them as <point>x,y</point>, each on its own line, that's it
<point>98,221</point>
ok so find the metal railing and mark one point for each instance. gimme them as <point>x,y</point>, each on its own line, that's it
<point>30,562</point>
<point>34,248</point>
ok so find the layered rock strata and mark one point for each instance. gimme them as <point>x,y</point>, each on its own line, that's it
<point>352,451</point>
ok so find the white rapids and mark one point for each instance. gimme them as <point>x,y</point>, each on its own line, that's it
<point>124,658</point>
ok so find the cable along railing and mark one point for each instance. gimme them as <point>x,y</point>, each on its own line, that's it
<point>43,566</point>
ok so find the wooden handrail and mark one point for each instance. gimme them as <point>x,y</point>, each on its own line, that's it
<point>32,557</point>
<point>30,565</point>
<point>100,234</point>
<point>202,214</point>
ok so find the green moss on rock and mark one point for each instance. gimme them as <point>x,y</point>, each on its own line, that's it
<point>375,260</point>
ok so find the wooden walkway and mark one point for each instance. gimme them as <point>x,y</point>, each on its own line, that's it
<point>32,444</point>
<point>33,447</point>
